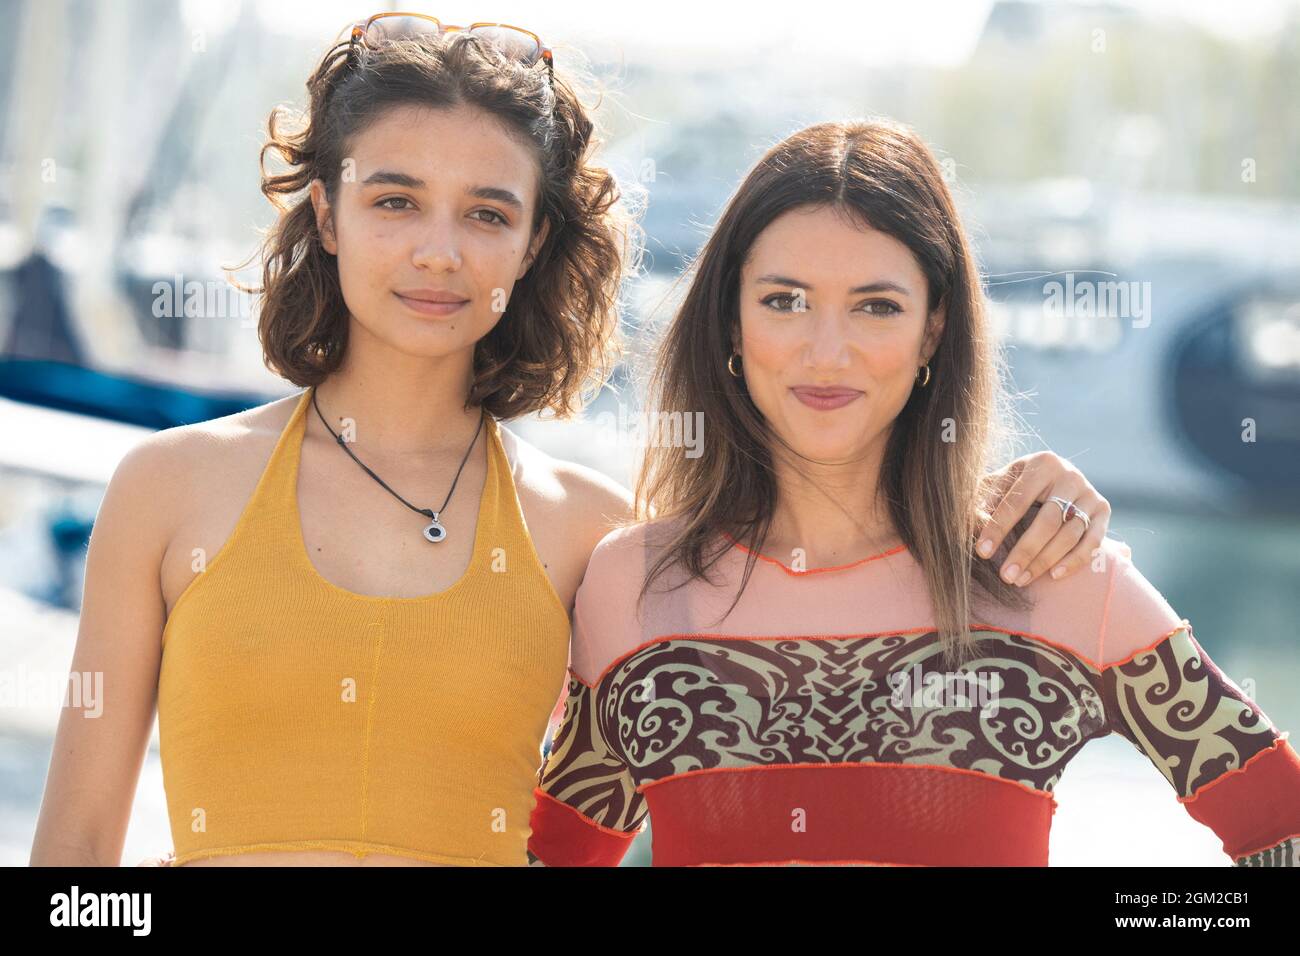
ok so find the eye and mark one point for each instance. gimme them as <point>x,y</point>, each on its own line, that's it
<point>492,212</point>
<point>891,307</point>
<point>779,297</point>
<point>383,203</point>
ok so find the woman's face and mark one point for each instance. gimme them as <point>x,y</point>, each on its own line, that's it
<point>827,304</point>
<point>432,203</point>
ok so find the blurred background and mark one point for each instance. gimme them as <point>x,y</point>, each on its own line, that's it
<point>1127,172</point>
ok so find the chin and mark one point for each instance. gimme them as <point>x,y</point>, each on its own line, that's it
<point>841,443</point>
<point>431,339</point>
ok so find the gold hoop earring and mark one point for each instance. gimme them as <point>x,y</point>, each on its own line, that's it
<point>923,382</point>
<point>731,368</point>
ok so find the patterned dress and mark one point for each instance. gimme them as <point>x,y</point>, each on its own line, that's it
<point>817,723</point>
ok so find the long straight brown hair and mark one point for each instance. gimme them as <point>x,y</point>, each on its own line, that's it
<point>881,174</point>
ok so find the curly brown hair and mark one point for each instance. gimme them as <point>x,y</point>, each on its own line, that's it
<point>560,330</point>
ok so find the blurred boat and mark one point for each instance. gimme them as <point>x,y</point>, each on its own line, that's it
<point>1154,341</point>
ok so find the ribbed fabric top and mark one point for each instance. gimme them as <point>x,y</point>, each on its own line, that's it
<point>297,715</point>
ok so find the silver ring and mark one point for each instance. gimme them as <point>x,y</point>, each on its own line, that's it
<point>1068,511</point>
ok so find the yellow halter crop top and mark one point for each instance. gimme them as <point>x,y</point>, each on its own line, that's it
<point>296,715</point>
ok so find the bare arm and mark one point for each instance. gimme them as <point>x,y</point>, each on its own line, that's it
<point>588,505</point>
<point>101,741</point>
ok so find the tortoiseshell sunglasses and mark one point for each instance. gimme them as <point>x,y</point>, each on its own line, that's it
<point>513,41</point>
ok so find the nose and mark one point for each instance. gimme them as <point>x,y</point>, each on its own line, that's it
<point>438,247</point>
<point>826,347</point>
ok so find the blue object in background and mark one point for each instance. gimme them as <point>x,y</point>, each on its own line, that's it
<point>87,391</point>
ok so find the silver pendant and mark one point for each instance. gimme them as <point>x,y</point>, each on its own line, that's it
<point>435,532</point>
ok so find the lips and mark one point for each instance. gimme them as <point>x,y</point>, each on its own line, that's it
<point>432,295</point>
<point>430,302</point>
<point>825,399</point>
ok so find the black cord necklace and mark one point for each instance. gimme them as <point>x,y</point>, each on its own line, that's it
<point>435,532</point>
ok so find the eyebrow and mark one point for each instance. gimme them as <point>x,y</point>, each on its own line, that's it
<point>882,286</point>
<point>392,178</point>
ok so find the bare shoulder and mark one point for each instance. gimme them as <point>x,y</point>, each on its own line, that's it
<point>577,494</point>
<point>195,447</point>
<point>170,468</point>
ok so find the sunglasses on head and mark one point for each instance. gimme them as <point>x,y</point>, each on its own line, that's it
<point>513,41</point>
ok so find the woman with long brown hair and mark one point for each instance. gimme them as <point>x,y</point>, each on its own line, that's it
<point>351,606</point>
<point>799,657</point>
